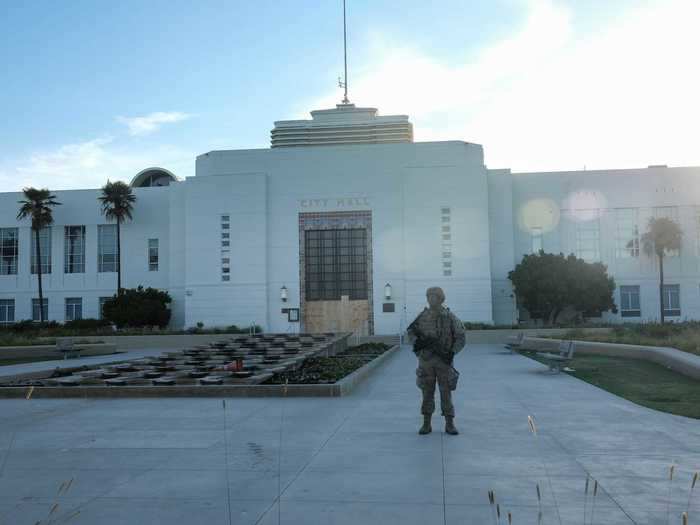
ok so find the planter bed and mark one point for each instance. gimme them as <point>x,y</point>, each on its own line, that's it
<point>320,370</point>
<point>366,349</point>
<point>233,367</point>
<point>243,389</point>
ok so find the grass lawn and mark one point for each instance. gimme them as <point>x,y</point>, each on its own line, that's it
<point>642,382</point>
<point>21,360</point>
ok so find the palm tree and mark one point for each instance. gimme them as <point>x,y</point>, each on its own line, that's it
<point>37,206</point>
<point>662,235</point>
<point>117,198</point>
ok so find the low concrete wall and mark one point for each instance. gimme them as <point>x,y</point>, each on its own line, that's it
<point>676,360</point>
<point>501,336</point>
<point>341,388</point>
<point>50,352</point>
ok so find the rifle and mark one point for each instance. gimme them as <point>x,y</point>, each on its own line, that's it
<point>424,341</point>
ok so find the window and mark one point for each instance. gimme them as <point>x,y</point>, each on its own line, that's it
<point>672,300</point>
<point>627,233</point>
<point>668,212</point>
<point>446,236</point>
<point>44,247</point>
<point>107,248</point>
<point>100,313</point>
<point>588,240</point>
<point>336,264</point>
<point>74,249</point>
<point>8,251</point>
<point>629,301</point>
<point>7,311</point>
<point>35,309</point>
<point>536,239</point>
<point>225,248</point>
<point>152,255</point>
<point>74,308</point>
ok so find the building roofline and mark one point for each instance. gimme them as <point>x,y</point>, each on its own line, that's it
<point>281,151</point>
<point>607,171</point>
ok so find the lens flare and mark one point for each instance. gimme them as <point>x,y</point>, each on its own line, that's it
<point>538,215</point>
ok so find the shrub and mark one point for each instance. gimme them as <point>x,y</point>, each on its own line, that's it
<point>28,326</point>
<point>87,324</point>
<point>235,329</point>
<point>660,330</point>
<point>138,307</point>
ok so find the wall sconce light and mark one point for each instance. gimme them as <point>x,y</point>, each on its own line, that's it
<point>283,294</point>
<point>387,291</point>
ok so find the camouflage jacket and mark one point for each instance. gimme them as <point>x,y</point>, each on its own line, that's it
<point>443,326</point>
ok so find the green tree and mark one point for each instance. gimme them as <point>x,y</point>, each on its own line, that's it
<point>117,204</point>
<point>37,205</point>
<point>590,287</point>
<point>546,284</point>
<point>663,235</point>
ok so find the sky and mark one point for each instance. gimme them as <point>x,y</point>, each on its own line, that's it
<point>97,90</point>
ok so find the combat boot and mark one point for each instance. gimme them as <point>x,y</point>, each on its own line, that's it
<point>450,426</point>
<point>426,428</point>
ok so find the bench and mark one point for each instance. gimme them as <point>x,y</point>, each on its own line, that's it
<point>557,361</point>
<point>66,346</point>
<point>514,343</point>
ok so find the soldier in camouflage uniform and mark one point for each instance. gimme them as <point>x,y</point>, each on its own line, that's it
<point>437,335</point>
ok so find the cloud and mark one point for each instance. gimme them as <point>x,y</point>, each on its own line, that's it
<point>152,122</point>
<point>89,164</point>
<point>547,97</point>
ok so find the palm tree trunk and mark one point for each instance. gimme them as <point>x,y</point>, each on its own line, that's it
<point>661,286</point>
<point>38,275</point>
<point>119,260</point>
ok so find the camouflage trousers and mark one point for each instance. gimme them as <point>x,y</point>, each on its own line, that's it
<point>432,369</point>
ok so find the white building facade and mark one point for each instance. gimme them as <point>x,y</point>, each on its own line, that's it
<point>342,225</point>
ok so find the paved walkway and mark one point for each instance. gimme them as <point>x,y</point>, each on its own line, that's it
<point>354,460</point>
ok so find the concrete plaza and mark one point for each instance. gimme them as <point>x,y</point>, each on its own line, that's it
<point>351,460</point>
